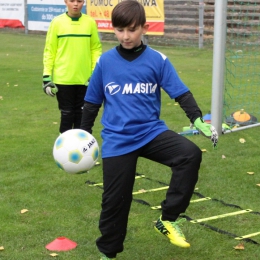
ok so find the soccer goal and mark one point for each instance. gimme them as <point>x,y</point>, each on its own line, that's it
<point>236,65</point>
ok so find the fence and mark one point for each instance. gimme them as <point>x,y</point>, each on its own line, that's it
<point>187,23</point>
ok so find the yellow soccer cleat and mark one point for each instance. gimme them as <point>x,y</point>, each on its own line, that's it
<point>172,231</point>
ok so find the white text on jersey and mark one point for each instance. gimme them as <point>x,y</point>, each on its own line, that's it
<point>146,88</point>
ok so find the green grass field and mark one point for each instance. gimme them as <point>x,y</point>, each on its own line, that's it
<point>60,204</point>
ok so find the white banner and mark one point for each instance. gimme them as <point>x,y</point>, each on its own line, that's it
<point>11,13</point>
<point>40,13</point>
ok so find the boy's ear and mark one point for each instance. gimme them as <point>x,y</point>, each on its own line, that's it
<point>145,28</point>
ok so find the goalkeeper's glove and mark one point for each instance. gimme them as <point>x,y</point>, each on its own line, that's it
<point>207,130</point>
<point>48,86</point>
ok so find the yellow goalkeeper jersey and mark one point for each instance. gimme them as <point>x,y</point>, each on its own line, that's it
<point>71,50</point>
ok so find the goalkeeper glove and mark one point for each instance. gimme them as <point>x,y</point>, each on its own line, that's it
<point>207,130</point>
<point>49,87</point>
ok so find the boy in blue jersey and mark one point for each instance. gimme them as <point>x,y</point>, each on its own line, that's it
<point>71,50</point>
<point>127,80</point>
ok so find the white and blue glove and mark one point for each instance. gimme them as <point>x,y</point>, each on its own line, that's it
<point>48,86</point>
<point>207,130</point>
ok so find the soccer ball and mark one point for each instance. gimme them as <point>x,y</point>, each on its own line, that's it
<point>75,151</point>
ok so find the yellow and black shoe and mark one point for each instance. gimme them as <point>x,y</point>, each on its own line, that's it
<point>172,231</point>
<point>97,163</point>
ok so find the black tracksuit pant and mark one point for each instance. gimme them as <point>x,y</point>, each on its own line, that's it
<point>70,102</point>
<point>168,148</point>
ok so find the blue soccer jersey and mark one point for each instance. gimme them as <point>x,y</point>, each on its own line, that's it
<point>131,94</point>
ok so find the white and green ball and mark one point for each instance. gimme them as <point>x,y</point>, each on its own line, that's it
<point>75,151</point>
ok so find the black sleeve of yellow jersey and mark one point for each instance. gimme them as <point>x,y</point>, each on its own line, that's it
<point>90,112</point>
<point>189,105</point>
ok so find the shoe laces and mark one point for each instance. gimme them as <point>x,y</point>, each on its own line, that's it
<point>176,224</point>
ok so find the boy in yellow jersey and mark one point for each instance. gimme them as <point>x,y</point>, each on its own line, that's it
<point>71,50</point>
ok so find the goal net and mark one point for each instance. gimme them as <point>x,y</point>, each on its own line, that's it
<point>241,106</point>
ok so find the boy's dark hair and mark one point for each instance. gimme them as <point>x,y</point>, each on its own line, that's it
<point>128,12</point>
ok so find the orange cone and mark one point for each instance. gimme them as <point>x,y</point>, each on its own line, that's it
<point>241,116</point>
<point>61,244</point>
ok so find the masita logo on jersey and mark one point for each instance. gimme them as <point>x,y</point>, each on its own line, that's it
<point>130,88</point>
<point>112,88</point>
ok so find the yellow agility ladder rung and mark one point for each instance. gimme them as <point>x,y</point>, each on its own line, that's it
<point>151,190</point>
<point>199,200</point>
<point>221,216</point>
<point>246,236</point>
<point>192,201</point>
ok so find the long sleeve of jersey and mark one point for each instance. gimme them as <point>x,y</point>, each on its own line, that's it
<point>90,112</point>
<point>71,50</point>
<point>50,50</point>
<point>189,105</point>
<point>96,48</point>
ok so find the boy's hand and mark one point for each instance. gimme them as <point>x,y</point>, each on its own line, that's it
<point>49,87</point>
<point>207,130</point>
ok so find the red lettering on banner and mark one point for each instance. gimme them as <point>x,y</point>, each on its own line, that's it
<point>93,14</point>
<point>106,14</point>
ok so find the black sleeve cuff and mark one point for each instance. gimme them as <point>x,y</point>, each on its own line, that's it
<point>189,105</point>
<point>90,112</point>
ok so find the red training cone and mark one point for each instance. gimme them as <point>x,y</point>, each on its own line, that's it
<point>61,244</point>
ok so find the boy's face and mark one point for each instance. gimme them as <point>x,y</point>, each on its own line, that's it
<point>74,7</point>
<point>130,37</point>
